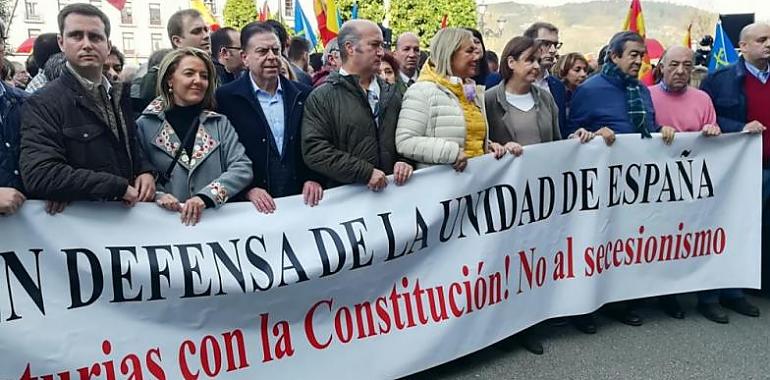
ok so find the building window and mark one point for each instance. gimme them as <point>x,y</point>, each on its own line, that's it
<point>127,14</point>
<point>155,41</point>
<point>96,3</point>
<point>128,42</point>
<point>288,8</point>
<point>155,14</point>
<point>32,12</point>
<point>33,33</point>
<point>211,5</point>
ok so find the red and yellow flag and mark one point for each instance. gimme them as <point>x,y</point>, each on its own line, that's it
<point>326,16</point>
<point>205,12</point>
<point>264,13</point>
<point>688,37</point>
<point>635,23</point>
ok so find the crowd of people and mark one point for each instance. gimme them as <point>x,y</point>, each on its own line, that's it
<point>236,115</point>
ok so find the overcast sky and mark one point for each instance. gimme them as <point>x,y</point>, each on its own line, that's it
<point>760,7</point>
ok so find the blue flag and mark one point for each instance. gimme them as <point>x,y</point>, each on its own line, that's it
<point>722,53</point>
<point>354,12</point>
<point>302,26</point>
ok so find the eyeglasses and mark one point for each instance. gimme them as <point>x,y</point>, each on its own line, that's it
<point>547,43</point>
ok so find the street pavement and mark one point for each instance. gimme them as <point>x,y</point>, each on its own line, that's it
<point>663,348</point>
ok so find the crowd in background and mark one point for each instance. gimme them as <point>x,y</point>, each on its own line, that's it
<point>251,115</point>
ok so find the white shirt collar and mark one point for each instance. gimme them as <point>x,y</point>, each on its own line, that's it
<point>405,78</point>
<point>88,84</point>
<point>374,86</point>
<point>256,87</point>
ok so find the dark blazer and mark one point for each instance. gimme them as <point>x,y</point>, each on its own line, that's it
<point>725,87</point>
<point>10,137</point>
<point>239,103</point>
<point>69,152</point>
<point>559,94</point>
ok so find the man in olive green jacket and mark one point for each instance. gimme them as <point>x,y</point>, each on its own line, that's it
<point>349,123</point>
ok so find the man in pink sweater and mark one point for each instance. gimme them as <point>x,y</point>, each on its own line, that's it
<point>679,107</point>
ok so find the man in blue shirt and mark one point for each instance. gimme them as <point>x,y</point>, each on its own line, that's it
<point>11,99</point>
<point>614,101</point>
<point>266,111</point>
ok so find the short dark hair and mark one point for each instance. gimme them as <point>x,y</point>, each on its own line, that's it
<point>534,29</point>
<point>175,25</point>
<point>157,56</point>
<point>514,48</point>
<point>298,47</point>
<point>491,56</point>
<point>618,43</point>
<point>256,27</point>
<point>121,58</point>
<point>280,31</point>
<point>84,10</point>
<point>316,61</point>
<point>44,47</point>
<point>219,39</point>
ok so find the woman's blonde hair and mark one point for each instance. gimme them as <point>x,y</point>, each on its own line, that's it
<point>170,63</point>
<point>443,46</point>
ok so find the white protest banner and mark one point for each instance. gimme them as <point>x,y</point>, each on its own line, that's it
<point>375,285</point>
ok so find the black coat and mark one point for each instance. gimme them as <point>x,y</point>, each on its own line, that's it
<point>239,103</point>
<point>69,152</point>
<point>10,138</point>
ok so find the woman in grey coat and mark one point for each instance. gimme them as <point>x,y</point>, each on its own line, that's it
<point>195,150</point>
<point>520,113</point>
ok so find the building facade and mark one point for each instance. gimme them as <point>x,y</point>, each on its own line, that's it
<point>137,30</point>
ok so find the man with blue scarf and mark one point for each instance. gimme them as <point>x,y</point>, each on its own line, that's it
<point>612,103</point>
<point>615,101</point>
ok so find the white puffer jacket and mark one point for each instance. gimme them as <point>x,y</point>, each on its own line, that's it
<point>431,125</point>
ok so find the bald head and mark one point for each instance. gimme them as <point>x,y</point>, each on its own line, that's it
<point>676,66</point>
<point>361,47</point>
<point>755,44</point>
<point>408,53</point>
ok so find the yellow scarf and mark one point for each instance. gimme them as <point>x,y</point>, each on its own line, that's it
<point>475,125</point>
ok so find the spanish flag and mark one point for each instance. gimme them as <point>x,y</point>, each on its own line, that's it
<point>688,37</point>
<point>327,16</point>
<point>635,23</point>
<point>205,13</point>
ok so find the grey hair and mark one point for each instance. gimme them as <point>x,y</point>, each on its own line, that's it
<point>618,42</point>
<point>348,33</point>
<point>330,47</point>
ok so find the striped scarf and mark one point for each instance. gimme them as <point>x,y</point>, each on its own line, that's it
<point>637,115</point>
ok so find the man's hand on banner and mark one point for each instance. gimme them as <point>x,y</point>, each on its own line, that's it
<point>377,181</point>
<point>54,207</point>
<point>10,200</point>
<point>131,196</point>
<point>607,134</point>
<point>668,134</point>
<point>711,130</point>
<point>145,185</point>
<point>402,172</point>
<point>754,127</point>
<point>261,200</point>
<point>312,193</point>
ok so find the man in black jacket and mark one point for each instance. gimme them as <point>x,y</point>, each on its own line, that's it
<point>266,111</point>
<point>78,138</point>
<point>11,99</point>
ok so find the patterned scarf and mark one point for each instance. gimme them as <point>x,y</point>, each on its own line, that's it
<point>636,112</point>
